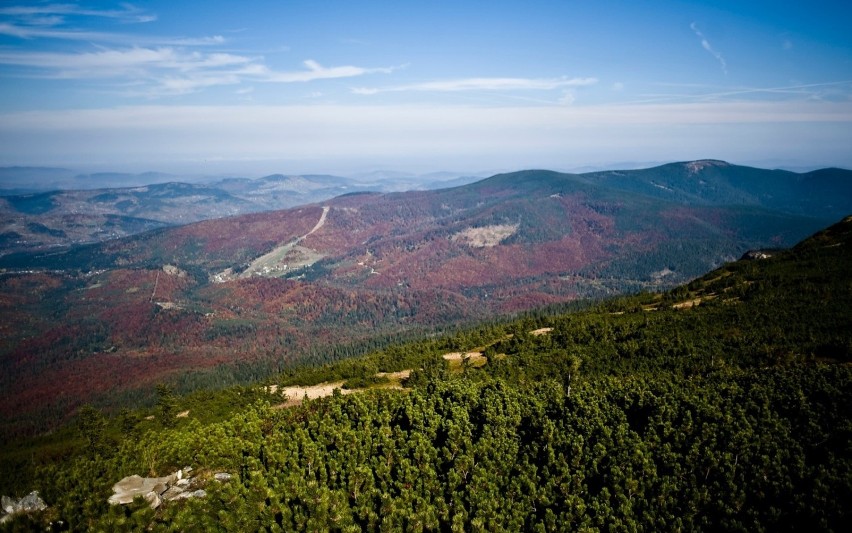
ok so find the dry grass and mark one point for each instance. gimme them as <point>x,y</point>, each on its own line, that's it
<point>296,394</point>
<point>487,236</point>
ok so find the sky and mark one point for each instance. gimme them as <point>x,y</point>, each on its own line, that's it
<point>344,87</point>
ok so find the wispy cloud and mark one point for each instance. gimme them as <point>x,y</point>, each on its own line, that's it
<point>840,91</point>
<point>707,46</point>
<point>482,84</point>
<point>316,71</point>
<point>163,71</point>
<point>127,13</point>
<point>51,31</point>
<point>151,65</point>
<point>108,63</point>
<point>64,22</point>
<point>568,98</point>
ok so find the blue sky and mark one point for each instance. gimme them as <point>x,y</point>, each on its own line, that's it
<point>350,86</point>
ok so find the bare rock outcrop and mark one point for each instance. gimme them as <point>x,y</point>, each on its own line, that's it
<point>157,490</point>
<point>30,503</point>
<point>132,486</point>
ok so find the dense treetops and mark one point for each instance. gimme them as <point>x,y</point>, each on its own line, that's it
<point>105,323</point>
<point>720,405</point>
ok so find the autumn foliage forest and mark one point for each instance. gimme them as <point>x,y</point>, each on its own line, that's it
<point>722,404</point>
<point>191,306</point>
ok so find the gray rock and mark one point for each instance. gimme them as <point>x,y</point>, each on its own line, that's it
<point>155,490</point>
<point>132,486</point>
<point>222,476</point>
<point>8,504</point>
<point>200,493</point>
<point>30,503</point>
<point>753,255</point>
<point>173,492</point>
<point>153,499</point>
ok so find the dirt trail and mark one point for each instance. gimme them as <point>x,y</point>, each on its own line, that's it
<point>402,374</point>
<point>321,223</point>
<point>295,394</point>
<point>458,356</point>
<point>269,263</point>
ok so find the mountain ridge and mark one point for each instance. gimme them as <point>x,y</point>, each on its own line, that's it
<point>723,401</point>
<point>74,217</point>
<point>146,308</point>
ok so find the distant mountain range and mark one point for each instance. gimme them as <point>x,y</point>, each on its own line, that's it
<point>47,219</point>
<point>243,296</point>
<point>50,219</point>
<point>599,225</point>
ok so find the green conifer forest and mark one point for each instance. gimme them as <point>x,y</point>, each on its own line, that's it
<point>722,405</point>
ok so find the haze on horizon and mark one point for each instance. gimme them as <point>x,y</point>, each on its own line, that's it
<point>346,87</point>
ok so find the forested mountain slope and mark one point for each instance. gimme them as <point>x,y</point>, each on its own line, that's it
<point>712,182</point>
<point>52,219</point>
<point>719,405</point>
<point>236,299</point>
<point>98,210</point>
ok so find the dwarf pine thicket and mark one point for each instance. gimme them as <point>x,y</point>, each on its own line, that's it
<point>720,405</point>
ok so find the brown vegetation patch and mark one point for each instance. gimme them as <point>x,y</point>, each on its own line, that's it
<point>692,303</point>
<point>486,236</point>
<point>296,394</point>
<point>398,376</point>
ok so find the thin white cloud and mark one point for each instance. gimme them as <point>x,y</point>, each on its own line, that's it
<point>568,98</point>
<point>482,84</point>
<point>176,86</point>
<point>109,63</point>
<point>316,71</point>
<point>127,13</point>
<point>39,32</point>
<point>191,41</point>
<point>152,66</point>
<point>707,46</point>
<point>166,70</point>
<point>50,32</point>
<point>51,21</point>
<point>840,90</point>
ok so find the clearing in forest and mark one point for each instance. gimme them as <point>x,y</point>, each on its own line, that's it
<point>282,259</point>
<point>487,236</point>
